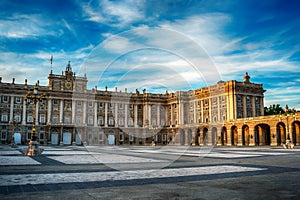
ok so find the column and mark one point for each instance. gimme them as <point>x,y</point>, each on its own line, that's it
<point>186,136</point>
<point>179,113</point>
<point>84,113</point>
<point>171,120</point>
<point>49,111</point>
<point>145,115</point>
<point>116,115</point>
<point>135,107</point>
<point>126,115</point>
<point>261,106</point>
<point>149,114</point>
<point>244,106</point>
<point>253,106</point>
<point>195,112</point>
<point>200,139</point>
<point>219,109</point>
<point>37,113</point>
<point>105,114</point>
<point>24,113</point>
<point>202,112</point>
<point>11,113</point>
<point>273,136</point>
<point>210,114</point>
<point>240,138</point>
<point>166,115</point>
<point>73,111</point>
<point>158,115</point>
<point>95,114</point>
<point>61,108</point>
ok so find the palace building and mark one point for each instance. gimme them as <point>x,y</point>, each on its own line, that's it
<point>227,113</point>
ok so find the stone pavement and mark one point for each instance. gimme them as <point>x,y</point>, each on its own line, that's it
<point>161,172</point>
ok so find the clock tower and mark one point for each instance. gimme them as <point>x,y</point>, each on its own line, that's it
<point>67,81</point>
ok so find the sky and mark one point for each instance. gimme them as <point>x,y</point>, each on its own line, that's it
<point>156,44</point>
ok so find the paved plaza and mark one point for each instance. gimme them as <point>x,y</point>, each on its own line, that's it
<point>144,172</point>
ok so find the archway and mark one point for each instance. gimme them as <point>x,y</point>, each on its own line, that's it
<point>245,135</point>
<point>197,136</point>
<point>234,135</point>
<point>296,132</point>
<point>224,136</point>
<point>281,133</point>
<point>262,134</point>
<point>214,135</point>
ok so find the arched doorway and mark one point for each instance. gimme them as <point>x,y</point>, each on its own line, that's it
<point>234,135</point>
<point>281,133</point>
<point>245,135</point>
<point>205,138</point>
<point>224,136</point>
<point>197,137</point>
<point>262,134</point>
<point>296,132</point>
<point>214,135</point>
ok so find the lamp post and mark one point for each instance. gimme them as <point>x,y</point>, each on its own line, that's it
<point>289,143</point>
<point>14,124</point>
<point>33,98</point>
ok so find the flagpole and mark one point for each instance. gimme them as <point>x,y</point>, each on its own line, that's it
<point>51,59</point>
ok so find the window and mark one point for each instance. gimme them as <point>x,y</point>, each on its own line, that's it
<point>78,120</point>
<point>111,121</point>
<point>55,102</point>
<point>29,135</point>
<point>78,103</point>
<point>130,106</point>
<point>121,122</point>
<point>100,121</point>
<point>54,119</point>
<point>4,118</point>
<point>130,122</point>
<point>17,117</point>
<point>67,120</point>
<point>90,120</point>
<point>120,105</point>
<point>90,104</point>
<point>18,100</point>
<point>131,138</point>
<point>100,105</point>
<point>121,137</point>
<point>5,98</point>
<point>164,137</point>
<point>42,119</point>
<point>3,136</point>
<point>155,137</point>
<point>29,118</point>
<point>110,105</point>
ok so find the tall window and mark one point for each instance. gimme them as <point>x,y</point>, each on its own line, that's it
<point>4,118</point>
<point>5,99</point>
<point>29,118</point>
<point>90,120</point>
<point>18,100</point>
<point>17,117</point>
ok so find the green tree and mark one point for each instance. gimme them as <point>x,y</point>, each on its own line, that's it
<point>273,109</point>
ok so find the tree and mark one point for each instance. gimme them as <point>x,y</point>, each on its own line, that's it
<point>273,109</point>
<point>277,109</point>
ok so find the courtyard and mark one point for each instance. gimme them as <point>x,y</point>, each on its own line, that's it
<point>145,172</point>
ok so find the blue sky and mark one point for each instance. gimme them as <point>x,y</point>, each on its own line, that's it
<point>158,45</point>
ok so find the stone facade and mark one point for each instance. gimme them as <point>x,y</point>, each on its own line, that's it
<point>227,113</point>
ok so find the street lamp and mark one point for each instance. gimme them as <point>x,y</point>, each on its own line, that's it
<point>289,143</point>
<point>14,124</point>
<point>34,98</point>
